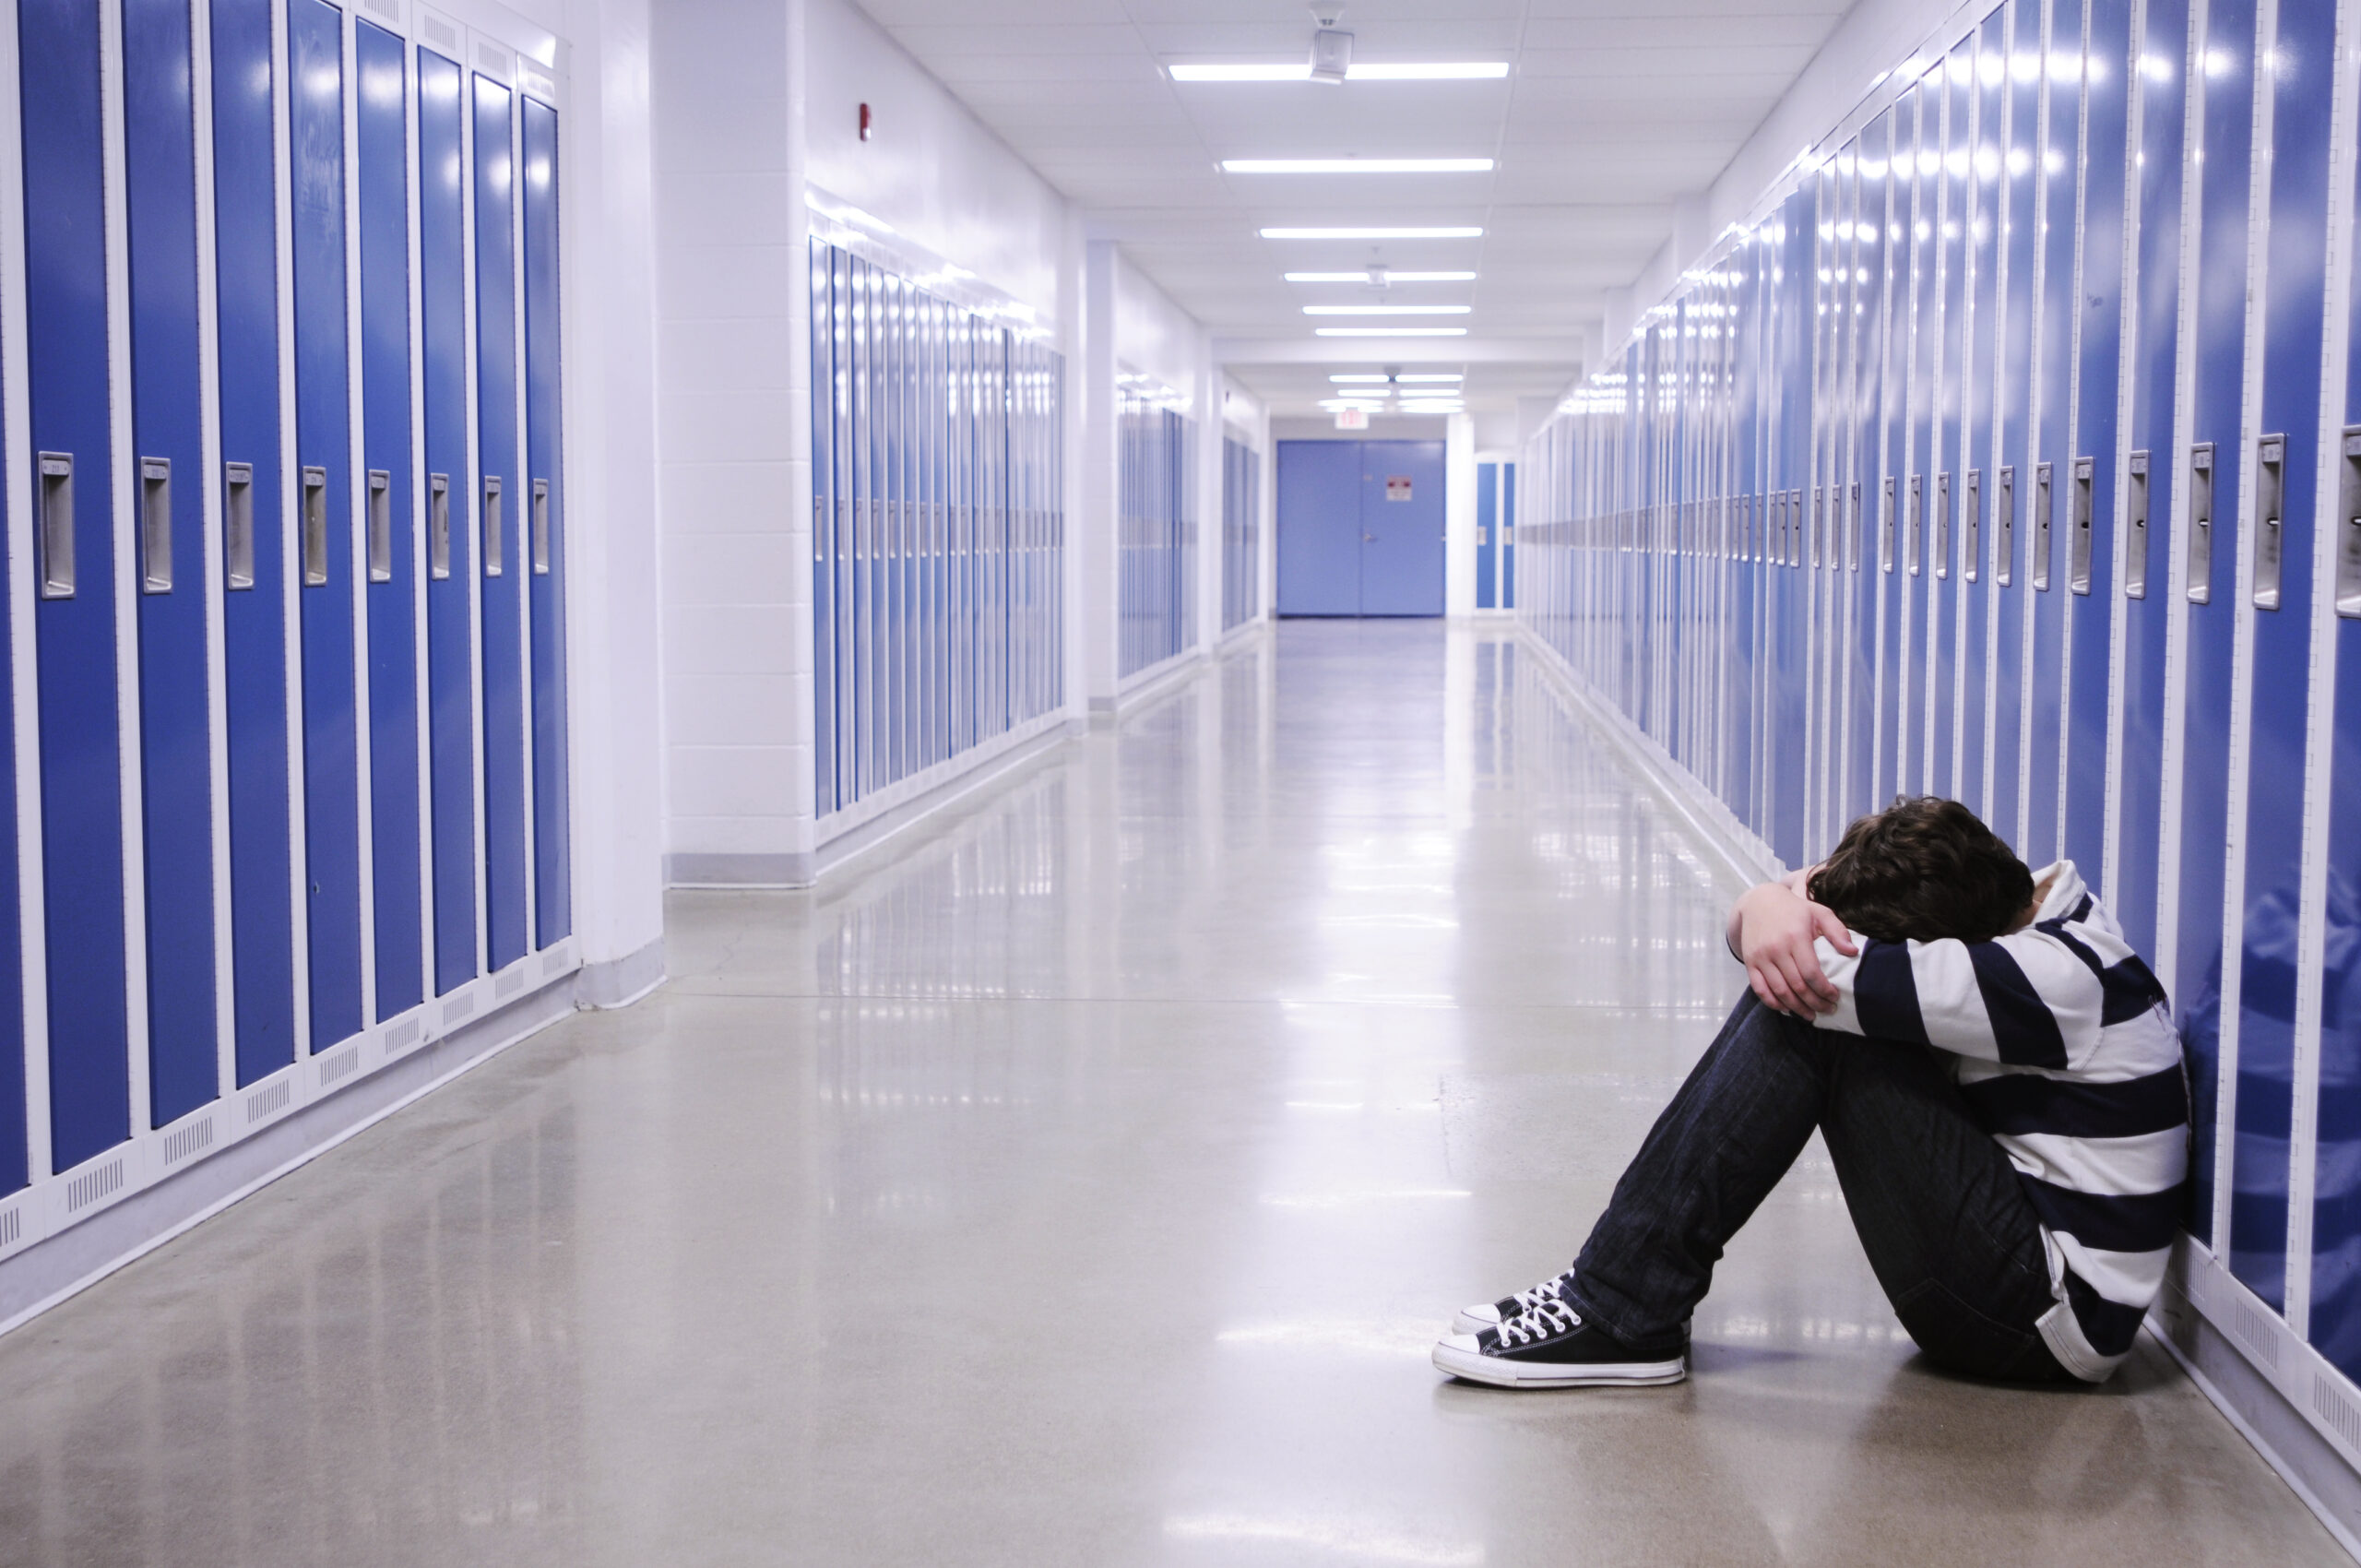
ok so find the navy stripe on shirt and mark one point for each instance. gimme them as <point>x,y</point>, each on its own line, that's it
<point>2023,1028</point>
<point>2137,1222</point>
<point>2026,1102</point>
<point>2126,990</point>
<point>1885,993</point>
<point>2110,1327</point>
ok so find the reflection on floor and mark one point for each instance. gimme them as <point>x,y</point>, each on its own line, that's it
<point>1081,1179</point>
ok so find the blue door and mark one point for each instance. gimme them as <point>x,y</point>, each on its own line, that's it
<point>1401,528</point>
<point>1361,527</point>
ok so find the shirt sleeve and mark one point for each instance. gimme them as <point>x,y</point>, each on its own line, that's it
<point>2024,999</point>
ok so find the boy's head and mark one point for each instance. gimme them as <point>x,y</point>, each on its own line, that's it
<point>1924,869</point>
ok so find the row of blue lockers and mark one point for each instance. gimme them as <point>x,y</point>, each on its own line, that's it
<point>1241,533</point>
<point>1155,526</point>
<point>2015,455</point>
<point>284,451</point>
<point>1495,536</point>
<point>938,532</point>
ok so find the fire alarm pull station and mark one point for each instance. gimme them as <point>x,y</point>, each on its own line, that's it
<point>1397,487</point>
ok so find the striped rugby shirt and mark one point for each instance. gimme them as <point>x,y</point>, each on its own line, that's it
<point>2068,1057</point>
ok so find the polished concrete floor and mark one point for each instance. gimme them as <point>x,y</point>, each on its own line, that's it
<point>1082,1179</point>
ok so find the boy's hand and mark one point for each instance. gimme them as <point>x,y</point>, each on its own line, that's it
<point>1771,929</point>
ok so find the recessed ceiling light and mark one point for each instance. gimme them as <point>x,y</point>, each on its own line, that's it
<point>1362,375</point>
<point>1431,406</point>
<point>1385,309</point>
<point>1440,375</point>
<point>1388,71</point>
<point>1371,234</point>
<point>1390,275</point>
<point>1357,165</point>
<point>1389,332</point>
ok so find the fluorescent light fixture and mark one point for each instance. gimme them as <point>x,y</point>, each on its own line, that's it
<point>1439,376</point>
<point>1431,406</point>
<point>1392,71</point>
<point>1373,233</point>
<point>1360,376</point>
<point>1391,277</point>
<point>1385,309</point>
<point>1357,165</point>
<point>1389,332</point>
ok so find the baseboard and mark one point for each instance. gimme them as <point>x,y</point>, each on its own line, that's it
<point>61,1265</point>
<point>619,982</point>
<point>988,771</point>
<point>696,869</point>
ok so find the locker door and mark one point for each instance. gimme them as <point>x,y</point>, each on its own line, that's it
<point>1921,492</point>
<point>2208,566</point>
<point>1503,537</point>
<point>824,633</point>
<point>74,622</point>
<point>1864,500</point>
<point>1975,466</point>
<point>500,509</point>
<point>542,535</point>
<point>2090,498</point>
<point>1488,486</point>
<point>381,152</point>
<point>450,486</point>
<point>2277,544</point>
<point>175,696</point>
<point>1948,464</point>
<point>2011,479</point>
<point>1892,499</point>
<point>2043,496</point>
<point>1320,528</point>
<point>1791,757</point>
<point>323,456</point>
<point>2144,583</point>
<point>254,604</point>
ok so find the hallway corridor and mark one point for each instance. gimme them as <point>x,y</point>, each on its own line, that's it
<point>1081,1178</point>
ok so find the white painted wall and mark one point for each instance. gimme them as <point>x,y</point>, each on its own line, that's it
<point>1154,337</point>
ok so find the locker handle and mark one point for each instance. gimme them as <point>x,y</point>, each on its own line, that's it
<point>438,525</point>
<point>381,525</point>
<point>238,524</point>
<point>1972,536</point>
<point>2270,501</point>
<point>2135,530</point>
<point>1885,528</point>
<point>1913,537</point>
<point>2201,523</point>
<point>2348,528</point>
<point>2078,547</point>
<point>492,561</point>
<point>57,525</point>
<point>2004,529</point>
<point>2042,497</point>
<point>315,526</point>
<point>1853,531</point>
<point>542,526</point>
<point>155,524</point>
<point>1943,526</point>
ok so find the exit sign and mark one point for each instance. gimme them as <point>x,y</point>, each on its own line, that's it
<point>1352,419</point>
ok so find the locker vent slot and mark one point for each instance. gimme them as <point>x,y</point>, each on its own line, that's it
<point>491,58</point>
<point>553,962</point>
<point>1914,539</point>
<point>2348,531</point>
<point>2078,550</point>
<point>2336,1411</point>
<point>2042,497</point>
<point>381,525</point>
<point>2201,523</point>
<point>438,525</point>
<point>389,9</point>
<point>439,32</point>
<point>57,525</point>
<point>155,524</point>
<point>405,1037</point>
<point>315,526</point>
<point>269,1101</point>
<point>542,528</point>
<point>458,1008</point>
<point>1943,526</point>
<point>1885,528</point>
<point>2004,531</point>
<point>1972,536</point>
<point>337,1068</point>
<point>492,524</point>
<point>182,1142</point>
<point>12,1226</point>
<point>2269,502</point>
<point>238,524</point>
<point>2135,522</point>
<point>93,1185</point>
<point>509,984</point>
<point>2255,1329</point>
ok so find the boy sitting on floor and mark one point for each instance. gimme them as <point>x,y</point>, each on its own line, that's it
<point>2001,1088</point>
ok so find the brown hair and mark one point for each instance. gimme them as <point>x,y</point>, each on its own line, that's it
<point>1924,867</point>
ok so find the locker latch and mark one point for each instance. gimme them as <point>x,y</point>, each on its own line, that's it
<point>2078,549</point>
<point>2004,528</point>
<point>1914,539</point>
<point>1885,528</point>
<point>2043,495</point>
<point>2270,504</point>
<point>315,526</point>
<point>1853,531</point>
<point>1943,526</point>
<point>57,525</point>
<point>2135,529</point>
<point>542,526</point>
<point>1972,536</point>
<point>2201,523</point>
<point>2348,528</point>
<point>438,525</point>
<point>381,525</point>
<point>155,524</point>
<point>238,524</point>
<point>492,553</point>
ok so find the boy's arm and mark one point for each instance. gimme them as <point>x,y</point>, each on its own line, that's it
<point>2022,998</point>
<point>1773,930</point>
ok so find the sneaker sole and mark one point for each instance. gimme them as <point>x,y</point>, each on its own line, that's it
<point>1476,1367</point>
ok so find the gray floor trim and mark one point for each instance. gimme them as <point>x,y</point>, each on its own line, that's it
<point>877,830</point>
<point>73,1260</point>
<point>694,868</point>
<point>619,982</point>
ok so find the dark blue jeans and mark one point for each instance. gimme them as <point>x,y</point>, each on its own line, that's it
<point>1950,1233</point>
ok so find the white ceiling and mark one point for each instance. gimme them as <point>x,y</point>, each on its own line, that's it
<point>1612,110</point>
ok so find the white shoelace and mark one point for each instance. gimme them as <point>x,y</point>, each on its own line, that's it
<point>1543,1319</point>
<point>1527,1300</point>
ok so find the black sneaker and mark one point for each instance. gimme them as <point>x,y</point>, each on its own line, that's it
<point>1491,1314</point>
<point>1550,1346</point>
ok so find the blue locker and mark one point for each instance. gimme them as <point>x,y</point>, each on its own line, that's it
<point>500,508</point>
<point>1872,270</point>
<point>323,453</point>
<point>1920,497</point>
<point>1504,538</point>
<point>2296,248</point>
<point>1893,497</point>
<point>175,719</point>
<point>1948,464</point>
<point>2147,506</point>
<point>1792,757</point>
<point>544,540</point>
<point>2335,1324</point>
<point>1487,523</point>
<point>254,618</point>
<point>450,635</point>
<point>2010,484</point>
<point>381,152</point>
<point>2047,504</point>
<point>1976,465</point>
<point>826,410</point>
<point>2090,495</point>
<point>74,622</point>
